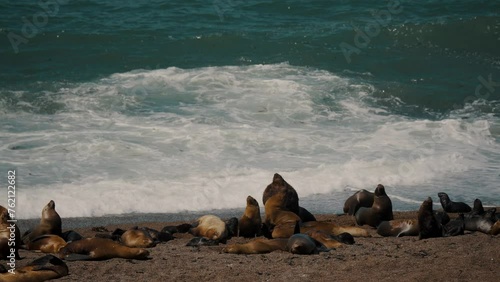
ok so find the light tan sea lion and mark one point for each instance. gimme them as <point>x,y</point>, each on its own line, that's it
<point>398,228</point>
<point>250,223</point>
<point>381,209</point>
<point>137,238</point>
<point>210,227</point>
<point>362,198</point>
<point>333,229</point>
<point>281,220</point>
<point>257,246</point>
<point>46,244</point>
<point>6,228</point>
<point>45,268</point>
<point>50,223</point>
<point>100,249</point>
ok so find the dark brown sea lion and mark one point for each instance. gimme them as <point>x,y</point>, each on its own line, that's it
<point>100,249</point>
<point>45,268</point>
<point>453,207</point>
<point>6,242</point>
<point>257,246</point>
<point>137,238</point>
<point>303,244</point>
<point>333,229</point>
<point>331,241</point>
<point>210,227</point>
<point>478,207</point>
<point>232,226</point>
<point>278,218</point>
<point>70,236</point>
<point>50,223</point>
<point>250,223</point>
<point>362,198</point>
<point>381,209</point>
<point>480,222</point>
<point>46,244</point>
<point>428,225</point>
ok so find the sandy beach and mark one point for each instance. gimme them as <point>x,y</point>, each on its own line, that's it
<point>473,256</point>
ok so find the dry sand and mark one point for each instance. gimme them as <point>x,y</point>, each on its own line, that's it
<point>471,257</point>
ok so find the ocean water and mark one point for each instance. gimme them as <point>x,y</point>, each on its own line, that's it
<point>183,107</point>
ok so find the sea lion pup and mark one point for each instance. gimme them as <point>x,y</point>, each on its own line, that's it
<point>428,226</point>
<point>454,207</point>
<point>381,209</point>
<point>46,244</point>
<point>258,246</point>
<point>45,268</point>
<point>182,228</point>
<point>331,241</point>
<point>137,238</point>
<point>398,228</point>
<point>100,249</point>
<point>362,198</point>
<point>210,227</point>
<point>158,236</point>
<point>333,229</point>
<point>50,223</point>
<point>250,222</point>
<point>6,229</point>
<point>282,221</point>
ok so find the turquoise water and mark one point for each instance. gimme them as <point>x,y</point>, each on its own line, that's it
<point>116,107</point>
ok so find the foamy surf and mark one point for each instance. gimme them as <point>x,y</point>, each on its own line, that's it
<point>174,140</point>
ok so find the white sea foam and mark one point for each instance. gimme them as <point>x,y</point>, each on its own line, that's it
<point>173,139</point>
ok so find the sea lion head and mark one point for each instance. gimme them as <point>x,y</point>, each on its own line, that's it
<point>252,202</point>
<point>443,198</point>
<point>346,238</point>
<point>279,185</point>
<point>380,191</point>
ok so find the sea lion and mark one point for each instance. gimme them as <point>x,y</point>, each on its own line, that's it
<point>277,217</point>
<point>210,227</point>
<point>455,227</point>
<point>137,238</point>
<point>100,249</point>
<point>428,225</point>
<point>158,236</point>
<point>46,244</point>
<point>303,244</point>
<point>258,246</point>
<point>480,222</point>
<point>250,222</point>
<point>478,207</point>
<point>50,223</point>
<point>361,198</point>
<point>305,215</point>
<point>331,241</point>
<point>45,268</point>
<point>381,209</point>
<point>453,207</point>
<point>333,229</point>
<point>6,228</point>
<point>398,228</point>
